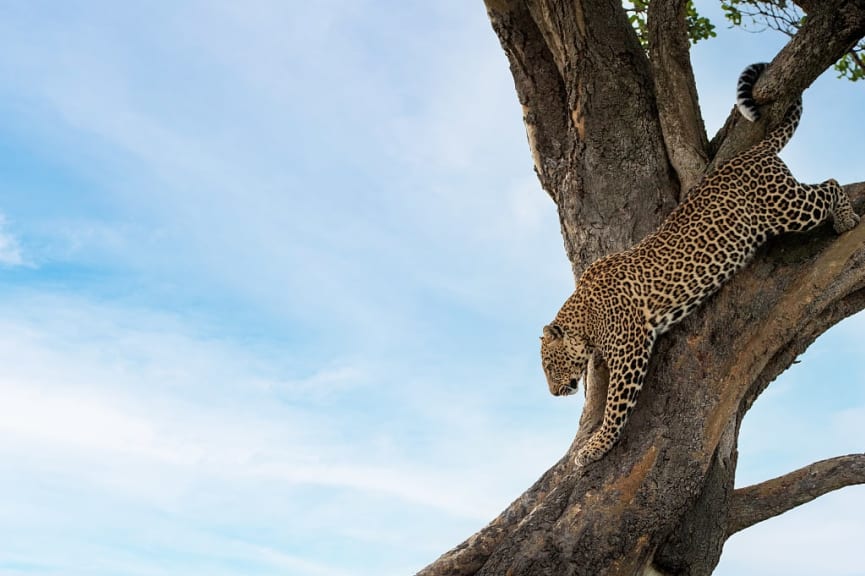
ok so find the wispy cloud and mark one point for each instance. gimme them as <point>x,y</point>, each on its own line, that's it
<point>131,385</point>
<point>362,259</point>
<point>152,414</point>
<point>10,249</point>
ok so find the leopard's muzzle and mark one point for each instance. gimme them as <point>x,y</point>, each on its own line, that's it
<point>569,388</point>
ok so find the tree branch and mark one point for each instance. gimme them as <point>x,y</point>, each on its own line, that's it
<point>589,106</point>
<point>763,501</point>
<point>832,28</point>
<point>676,91</point>
<point>540,89</point>
<point>829,32</point>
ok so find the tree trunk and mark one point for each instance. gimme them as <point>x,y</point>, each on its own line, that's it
<point>615,135</point>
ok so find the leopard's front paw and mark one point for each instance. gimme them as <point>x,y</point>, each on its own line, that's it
<point>588,454</point>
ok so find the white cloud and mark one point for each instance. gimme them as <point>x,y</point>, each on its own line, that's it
<point>10,249</point>
<point>160,443</point>
<point>162,409</point>
<point>69,420</point>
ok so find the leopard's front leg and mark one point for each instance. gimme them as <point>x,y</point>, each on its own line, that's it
<point>627,365</point>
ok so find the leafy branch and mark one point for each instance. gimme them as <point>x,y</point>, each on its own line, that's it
<point>699,27</point>
<point>786,17</point>
<point>752,15</point>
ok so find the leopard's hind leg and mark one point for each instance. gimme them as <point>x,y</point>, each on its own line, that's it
<point>805,206</point>
<point>843,216</point>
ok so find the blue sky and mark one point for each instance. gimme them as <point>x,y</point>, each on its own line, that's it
<point>271,281</point>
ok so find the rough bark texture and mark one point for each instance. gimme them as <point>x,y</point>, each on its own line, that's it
<point>579,70</point>
<point>678,108</point>
<point>613,135</point>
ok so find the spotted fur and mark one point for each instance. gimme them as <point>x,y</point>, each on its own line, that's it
<point>624,301</point>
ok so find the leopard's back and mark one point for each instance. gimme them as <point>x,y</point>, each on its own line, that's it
<point>713,233</point>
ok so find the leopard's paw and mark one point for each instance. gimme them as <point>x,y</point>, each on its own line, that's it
<point>588,454</point>
<point>844,222</point>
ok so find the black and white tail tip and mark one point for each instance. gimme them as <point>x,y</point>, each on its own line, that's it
<point>745,91</point>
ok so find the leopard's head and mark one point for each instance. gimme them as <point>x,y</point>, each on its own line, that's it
<point>564,358</point>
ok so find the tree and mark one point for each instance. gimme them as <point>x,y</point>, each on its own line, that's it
<point>617,139</point>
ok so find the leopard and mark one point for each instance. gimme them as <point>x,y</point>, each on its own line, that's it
<point>624,301</point>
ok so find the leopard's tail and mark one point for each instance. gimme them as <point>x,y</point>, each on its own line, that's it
<point>779,136</point>
<point>745,91</point>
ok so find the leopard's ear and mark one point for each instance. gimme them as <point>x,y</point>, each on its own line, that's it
<point>554,331</point>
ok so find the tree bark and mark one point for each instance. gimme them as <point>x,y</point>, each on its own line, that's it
<point>678,107</point>
<point>614,136</point>
<point>588,105</point>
